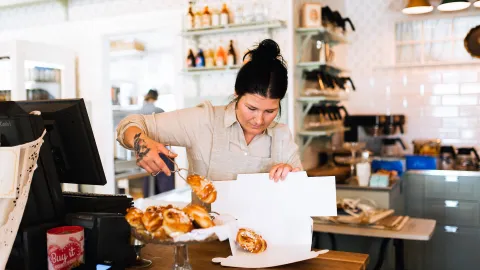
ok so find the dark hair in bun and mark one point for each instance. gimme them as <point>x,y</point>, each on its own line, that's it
<point>264,74</point>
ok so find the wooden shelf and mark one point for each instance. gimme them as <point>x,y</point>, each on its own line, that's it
<point>204,70</point>
<point>323,34</point>
<point>231,28</point>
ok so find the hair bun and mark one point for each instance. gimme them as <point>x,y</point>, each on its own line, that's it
<point>268,50</point>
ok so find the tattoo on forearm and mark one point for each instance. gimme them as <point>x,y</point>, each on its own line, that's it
<point>141,150</point>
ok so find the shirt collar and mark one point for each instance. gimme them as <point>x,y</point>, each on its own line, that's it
<point>230,118</point>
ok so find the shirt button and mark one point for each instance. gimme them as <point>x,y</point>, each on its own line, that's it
<point>245,153</point>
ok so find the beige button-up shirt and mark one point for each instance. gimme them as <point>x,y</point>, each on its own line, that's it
<point>194,127</point>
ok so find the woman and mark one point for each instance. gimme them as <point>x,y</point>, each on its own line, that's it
<point>223,141</point>
<point>149,104</point>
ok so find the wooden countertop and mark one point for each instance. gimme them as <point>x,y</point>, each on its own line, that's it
<point>415,229</point>
<point>201,258</point>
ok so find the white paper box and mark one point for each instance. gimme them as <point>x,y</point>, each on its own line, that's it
<point>279,211</point>
<point>288,240</point>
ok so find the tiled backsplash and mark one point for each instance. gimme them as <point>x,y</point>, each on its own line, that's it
<point>438,102</point>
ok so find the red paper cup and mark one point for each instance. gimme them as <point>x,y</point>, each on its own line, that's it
<point>65,247</point>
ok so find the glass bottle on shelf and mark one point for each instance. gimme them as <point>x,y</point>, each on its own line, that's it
<point>209,58</point>
<point>190,17</point>
<point>206,17</point>
<point>200,59</point>
<point>238,14</point>
<point>190,59</point>
<point>198,19</point>
<point>224,14</point>
<point>232,56</point>
<point>220,57</point>
<point>215,17</point>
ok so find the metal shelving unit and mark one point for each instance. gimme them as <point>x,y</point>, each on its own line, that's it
<point>332,69</point>
<point>322,33</point>
<point>303,36</point>
<point>307,136</point>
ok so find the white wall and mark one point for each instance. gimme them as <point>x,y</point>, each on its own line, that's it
<point>88,38</point>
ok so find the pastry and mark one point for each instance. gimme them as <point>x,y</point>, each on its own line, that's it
<point>176,222</point>
<point>134,218</point>
<point>152,219</point>
<point>251,241</point>
<point>203,188</point>
<point>199,215</point>
<point>160,234</point>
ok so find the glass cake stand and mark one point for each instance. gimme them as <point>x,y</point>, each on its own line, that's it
<point>181,258</point>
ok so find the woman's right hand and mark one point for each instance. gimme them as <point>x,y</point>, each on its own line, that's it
<point>147,154</point>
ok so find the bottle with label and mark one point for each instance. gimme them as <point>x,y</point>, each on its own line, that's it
<point>224,15</point>
<point>220,57</point>
<point>209,58</point>
<point>215,17</point>
<point>206,17</point>
<point>198,19</point>
<point>200,59</point>
<point>232,56</point>
<point>190,59</point>
<point>190,18</point>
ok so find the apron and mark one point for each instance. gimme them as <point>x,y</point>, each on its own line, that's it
<point>225,165</point>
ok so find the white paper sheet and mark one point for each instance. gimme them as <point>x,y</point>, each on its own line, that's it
<point>297,194</point>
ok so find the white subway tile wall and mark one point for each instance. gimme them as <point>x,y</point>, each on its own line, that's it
<point>438,101</point>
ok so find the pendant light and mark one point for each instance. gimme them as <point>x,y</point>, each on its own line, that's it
<point>453,5</point>
<point>477,4</point>
<point>417,7</point>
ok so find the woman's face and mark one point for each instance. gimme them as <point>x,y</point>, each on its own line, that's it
<point>255,113</point>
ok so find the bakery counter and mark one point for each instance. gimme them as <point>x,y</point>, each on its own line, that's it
<point>444,173</point>
<point>201,258</point>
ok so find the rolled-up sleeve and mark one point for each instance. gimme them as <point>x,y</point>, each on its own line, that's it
<point>177,128</point>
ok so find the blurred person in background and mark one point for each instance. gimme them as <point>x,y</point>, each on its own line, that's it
<point>163,182</point>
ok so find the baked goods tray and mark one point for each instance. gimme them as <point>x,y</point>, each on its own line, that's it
<point>145,237</point>
<point>392,223</point>
<point>218,232</point>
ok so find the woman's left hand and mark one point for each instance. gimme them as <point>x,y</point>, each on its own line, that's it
<point>280,171</point>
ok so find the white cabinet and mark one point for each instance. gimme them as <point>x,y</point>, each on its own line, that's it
<point>36,71</point>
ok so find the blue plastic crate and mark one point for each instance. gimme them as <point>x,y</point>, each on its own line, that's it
<point>415,162</point>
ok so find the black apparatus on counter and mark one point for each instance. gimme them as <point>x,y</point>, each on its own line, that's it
<point>68,155</point>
